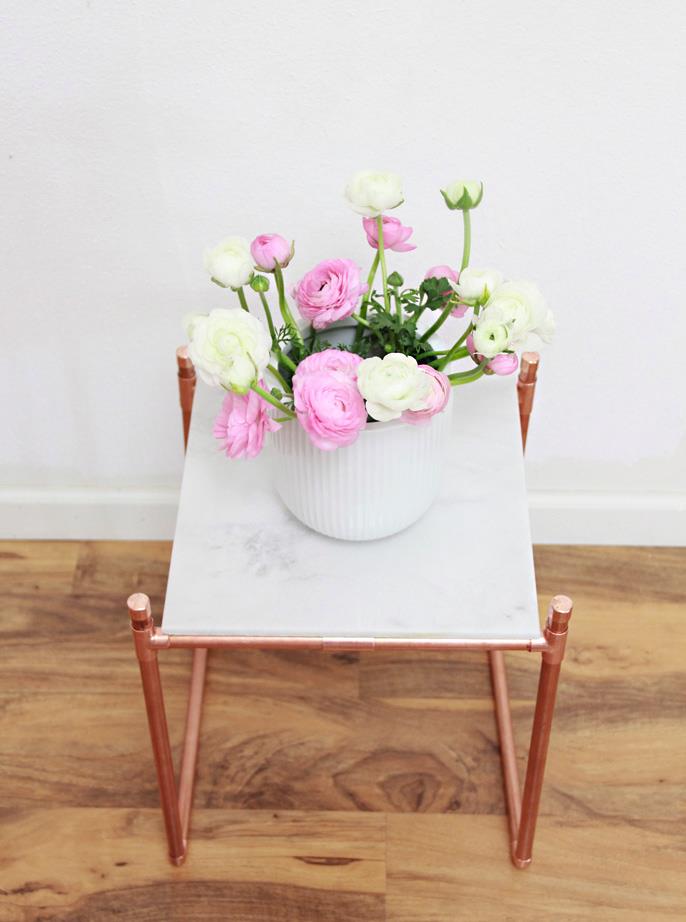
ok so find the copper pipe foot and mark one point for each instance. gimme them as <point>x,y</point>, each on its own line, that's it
<point>521,863</point>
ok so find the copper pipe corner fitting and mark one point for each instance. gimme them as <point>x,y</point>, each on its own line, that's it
<point>159,640</point>
<point>184,363</point>
<point>142,625</point>
<point>526,385</point>
<point>556,627</point>
<point>139,611</point>
<point>528,369</point>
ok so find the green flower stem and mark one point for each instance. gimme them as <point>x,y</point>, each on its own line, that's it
<point>467,239</point>
<point>465,377</point>
<point>470,327</point>
<point>434,352</point>
<point>382,261</point>
<point>241,298</point>
<point>370,285</point>
<point>270,322</point>
<point>287,361</point>
<point>272,332</point>
<point>285,310</point>
<point>358,318</point>
<point>280,380</point>
<point>452,353</point>
<point>398,305</point>
<point>443,316</point>
<point>365,301</point>
<point>265,395</point>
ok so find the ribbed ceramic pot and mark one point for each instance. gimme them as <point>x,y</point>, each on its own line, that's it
<point>377,486</point>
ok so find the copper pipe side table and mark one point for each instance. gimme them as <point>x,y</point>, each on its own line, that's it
<point>245,573</point>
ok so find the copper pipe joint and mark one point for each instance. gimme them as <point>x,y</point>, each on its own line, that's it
<point>139,611</point>
<point>186,376</point>
<point>185,365</point>
<point>142,625</point>
<point>559,613</point>
<point>526,385</point>
<point>556,627</point>
<point>528,370</point>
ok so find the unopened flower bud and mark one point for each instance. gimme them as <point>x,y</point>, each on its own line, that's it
<point>395,280</point>
<point>271,250</point>
<point>260,283</point>
<point>462,194</point>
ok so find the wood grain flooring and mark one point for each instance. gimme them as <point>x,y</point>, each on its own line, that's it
<point>338,788</point>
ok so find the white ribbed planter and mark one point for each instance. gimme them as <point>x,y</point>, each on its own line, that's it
<point>373,488</point>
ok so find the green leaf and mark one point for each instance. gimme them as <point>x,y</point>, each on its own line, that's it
<point>434,290</point>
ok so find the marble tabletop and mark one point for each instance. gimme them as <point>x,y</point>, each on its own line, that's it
<point>243,565</point>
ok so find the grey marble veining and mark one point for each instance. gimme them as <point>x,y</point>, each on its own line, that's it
<point>241,563</point>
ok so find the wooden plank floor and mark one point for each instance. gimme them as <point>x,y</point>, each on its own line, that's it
<point>338,787</point>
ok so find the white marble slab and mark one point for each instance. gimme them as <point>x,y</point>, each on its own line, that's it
<point>242,565</point>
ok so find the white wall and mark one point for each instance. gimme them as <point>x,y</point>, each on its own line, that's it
<point>136,133</point>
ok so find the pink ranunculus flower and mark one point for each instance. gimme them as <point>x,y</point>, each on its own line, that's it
<point>329,406</point>
<point>505,363</point>
<point>395,234</point>
<point>334,360</point>
<point>329,292</point>
<point>437,400</point>
<point>446,272</point>
<point>242,424</point>
<point>442,272</point>
<point>268,250</point>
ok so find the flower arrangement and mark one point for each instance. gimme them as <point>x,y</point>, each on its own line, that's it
<point>392,367</point>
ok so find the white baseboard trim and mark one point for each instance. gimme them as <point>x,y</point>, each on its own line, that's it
<point>128,514</point>
<point>88,514</point>
<point>649,519</point>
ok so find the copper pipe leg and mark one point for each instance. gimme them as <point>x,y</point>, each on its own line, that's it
<point>506,738</point>
<point>142,628</point>
<point>555,632</point>
<point>191,738</point>
<point>186,375</point>
<point>526,388</point>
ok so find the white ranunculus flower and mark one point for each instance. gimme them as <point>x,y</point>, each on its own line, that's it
<point>491,334</point>
<point>370,193</point>
<point>230,263</point>
<point>392,385</point>
<point>463,194</point>
<point>228,347</point>
<point>477,284</point>
<point>522,307</point>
